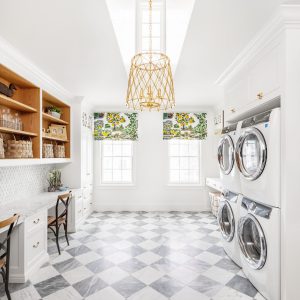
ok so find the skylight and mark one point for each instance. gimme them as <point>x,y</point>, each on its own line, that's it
<point>171,17</point>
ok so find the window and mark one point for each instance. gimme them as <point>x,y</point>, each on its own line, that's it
<point>117,161</point>
<point>158,26</point>
<point>184,162</point>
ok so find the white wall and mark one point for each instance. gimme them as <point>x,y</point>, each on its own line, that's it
<point>151,191</point>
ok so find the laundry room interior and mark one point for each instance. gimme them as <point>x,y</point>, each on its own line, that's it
<point>149,149</point>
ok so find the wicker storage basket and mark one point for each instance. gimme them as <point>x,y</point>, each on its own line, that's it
<point>18,149</point>
<point>214,201</point>
<point>1,147</point>
<point>48,151</point>
<point>59,151</point>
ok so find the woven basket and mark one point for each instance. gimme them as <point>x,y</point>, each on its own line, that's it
<point>214,198</point>
<point>48,151</point>
<point>59,151</point>
<point>1,147</point>
<point>18,149</point>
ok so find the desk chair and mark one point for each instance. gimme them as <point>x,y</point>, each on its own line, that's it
<point>5,250</point>
<point>54,222</point>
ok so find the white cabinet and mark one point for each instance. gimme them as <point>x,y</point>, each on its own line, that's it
<point>75,214</point>
<point>264,77</point>
<point>87,156</point>
<point>255,85</point>
<point>236,96</point>
<point>29,251</point>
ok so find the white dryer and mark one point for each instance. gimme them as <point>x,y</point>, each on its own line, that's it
<point>229,173</point>
<point>258,157</point>
<point>259,240</point>
<point>228,216</point>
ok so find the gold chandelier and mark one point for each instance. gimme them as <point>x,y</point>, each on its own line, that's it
<point>150,83</point>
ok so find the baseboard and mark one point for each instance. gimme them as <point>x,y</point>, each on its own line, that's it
<point>142,207</point>
<point>22,278</point>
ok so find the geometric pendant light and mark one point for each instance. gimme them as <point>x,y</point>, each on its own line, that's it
<point>150,83</point>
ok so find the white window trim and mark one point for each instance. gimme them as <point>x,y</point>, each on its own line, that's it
<point>199,185</point>
<point>115,185</point>
<point>138,25</point>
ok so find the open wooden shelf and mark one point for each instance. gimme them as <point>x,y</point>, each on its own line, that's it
<point>14,131</point>
<point>16,105</point>
<point>55,139</point>
<point>53,119</point>
<point>30,103</point>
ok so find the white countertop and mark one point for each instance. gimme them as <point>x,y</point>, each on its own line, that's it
<point>28,206</point>
<point>215,183</point>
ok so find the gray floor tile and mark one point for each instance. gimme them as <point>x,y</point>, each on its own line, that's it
<point>167,286</point>
<point>128,286</point>
<point>66,265</point>
<point>51,285</point>
<point>89,286</point>
<point>242,285</point>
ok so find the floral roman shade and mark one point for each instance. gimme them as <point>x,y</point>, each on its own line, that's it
<point>115,126</point>
<point>187,126</point>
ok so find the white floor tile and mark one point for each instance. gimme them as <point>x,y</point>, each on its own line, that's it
<point>77,274</point>
<point>148,275</point>
<point>112,275</point>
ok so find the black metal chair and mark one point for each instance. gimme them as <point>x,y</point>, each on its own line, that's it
<point>5,251</point>
<point>60,218</point>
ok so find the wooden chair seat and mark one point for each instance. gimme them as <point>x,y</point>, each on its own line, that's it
<point>51,220</point>
<point>2,263</point>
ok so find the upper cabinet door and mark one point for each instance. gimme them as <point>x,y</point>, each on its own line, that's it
<point>264,81</point>
<point>236,97</point>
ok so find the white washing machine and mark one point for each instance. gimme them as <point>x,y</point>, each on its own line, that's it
<point>258,157</point>
<point>228,216</point>
<point>259,240</point>
<point>229,172</point>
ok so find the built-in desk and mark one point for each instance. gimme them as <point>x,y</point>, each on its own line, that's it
<point>29,239</point>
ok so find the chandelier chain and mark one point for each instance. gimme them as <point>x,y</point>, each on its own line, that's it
<point>150,26</point>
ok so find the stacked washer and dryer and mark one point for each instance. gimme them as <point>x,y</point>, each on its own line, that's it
<point>249,212</point>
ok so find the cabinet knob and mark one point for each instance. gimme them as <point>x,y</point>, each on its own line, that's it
<point>36,245</point>
<point>232,110</point>
<point>260,95</point>
<point>36,221</point>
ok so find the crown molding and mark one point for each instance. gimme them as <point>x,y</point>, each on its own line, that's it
<point>11,58</point>
<point>288,16</point>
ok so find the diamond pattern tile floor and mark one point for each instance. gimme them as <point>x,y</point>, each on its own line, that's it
<point>139,256</point>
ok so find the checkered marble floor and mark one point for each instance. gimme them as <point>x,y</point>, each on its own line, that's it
<point>139,256</point>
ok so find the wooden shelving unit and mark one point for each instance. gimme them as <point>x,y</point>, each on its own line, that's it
<point>30,103</point>
<point>48,120</point>
<point>25,103</point>
<point>50,138</point>
<point>53,119</point>
<point>19,132</point>
<point>15,105</point>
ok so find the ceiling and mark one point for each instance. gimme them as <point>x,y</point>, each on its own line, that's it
<point>75,43</point>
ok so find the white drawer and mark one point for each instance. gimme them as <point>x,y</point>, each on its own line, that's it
<point>36,220</point>
<point>36,244</point>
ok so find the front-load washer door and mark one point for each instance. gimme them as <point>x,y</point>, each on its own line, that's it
<point>252,241</point>
<point>251,153</point>
<point>226,221</point>
<point>226,154</point>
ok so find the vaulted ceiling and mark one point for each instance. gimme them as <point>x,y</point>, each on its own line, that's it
<point>75,42</point>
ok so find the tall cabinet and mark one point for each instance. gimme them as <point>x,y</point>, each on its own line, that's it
<point>79,174</point>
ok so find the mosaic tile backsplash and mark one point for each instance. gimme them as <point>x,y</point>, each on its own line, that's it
<point>17,182</point>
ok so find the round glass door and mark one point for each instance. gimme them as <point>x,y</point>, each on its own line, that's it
<point>226,154</point>
<point>251,153</point>
<point>252,241</point>
<point>226,221</point>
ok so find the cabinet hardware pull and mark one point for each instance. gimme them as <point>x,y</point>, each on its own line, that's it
<point>260,95</point>
<point>36,221</point>
<point>85,208</point>
<point>36,245</point>
<point>233,110</point>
